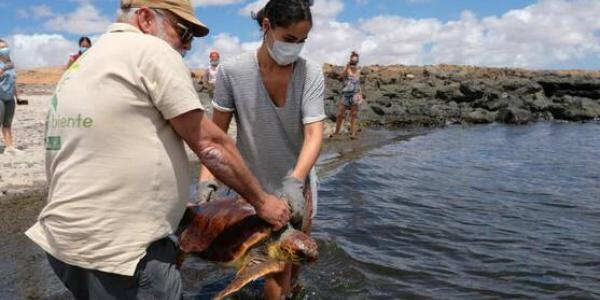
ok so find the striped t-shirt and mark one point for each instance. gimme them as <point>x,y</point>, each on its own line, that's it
<point>269,137</point>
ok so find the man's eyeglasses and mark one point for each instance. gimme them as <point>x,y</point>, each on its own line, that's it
<point>185,33</point>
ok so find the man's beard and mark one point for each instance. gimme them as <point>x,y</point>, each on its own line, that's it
<point>161,34</point>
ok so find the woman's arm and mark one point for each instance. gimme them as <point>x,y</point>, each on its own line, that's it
<point>345,71</point>
<point>222,120</point>
<point>313,139</point>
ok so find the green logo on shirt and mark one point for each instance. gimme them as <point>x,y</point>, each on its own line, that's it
<point>54,103</point>
<point>56,121</point>
<point>71,122</point>
<point>53,143</point>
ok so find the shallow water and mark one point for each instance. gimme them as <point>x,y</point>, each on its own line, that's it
<point>467,213</point>
<point>484,212</point>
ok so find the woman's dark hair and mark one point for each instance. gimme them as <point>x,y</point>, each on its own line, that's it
<point>283,13</point>
<point>354,54</point>
<point>85,39</point>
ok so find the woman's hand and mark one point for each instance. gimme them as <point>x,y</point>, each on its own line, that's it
<point>359,98</point>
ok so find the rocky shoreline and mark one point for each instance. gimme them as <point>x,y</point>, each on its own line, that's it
<point>405,96</point>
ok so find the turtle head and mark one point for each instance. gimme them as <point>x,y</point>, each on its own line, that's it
<point>297,247</point>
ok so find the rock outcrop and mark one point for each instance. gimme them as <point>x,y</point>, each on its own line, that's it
<point>435,95</point>
<point>440,95</point>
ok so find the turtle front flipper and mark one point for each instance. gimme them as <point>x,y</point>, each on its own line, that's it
<point>256,267</point>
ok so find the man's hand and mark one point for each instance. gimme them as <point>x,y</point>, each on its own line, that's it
<point>274,211</point>
<point>293,191</point>
<point>206,190</point>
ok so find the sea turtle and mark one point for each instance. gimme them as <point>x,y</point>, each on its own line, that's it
<point>227,230</point>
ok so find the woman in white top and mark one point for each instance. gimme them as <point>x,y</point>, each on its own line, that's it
<point>276,97</point>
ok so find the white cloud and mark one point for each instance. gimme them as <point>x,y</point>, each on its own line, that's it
<point>86,19</point>
<point>214,2</point>
<point>35,11</point>
<point>253,7</point>
<point>30,51</point>
<point>540,35</point>
<point>42,11</point>
<point>545,34</point>
<point>227,45</point>
<point>326,9</point>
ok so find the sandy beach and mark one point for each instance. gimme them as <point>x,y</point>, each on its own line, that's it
<point>23,174</point>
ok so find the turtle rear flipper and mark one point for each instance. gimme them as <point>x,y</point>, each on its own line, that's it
<point>256,267</point>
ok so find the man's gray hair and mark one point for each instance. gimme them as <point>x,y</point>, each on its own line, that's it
<point>126,15</point>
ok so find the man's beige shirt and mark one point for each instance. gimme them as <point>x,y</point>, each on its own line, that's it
<point>117,171</point>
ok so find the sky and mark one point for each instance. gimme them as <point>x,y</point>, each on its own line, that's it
<point>535,34</point>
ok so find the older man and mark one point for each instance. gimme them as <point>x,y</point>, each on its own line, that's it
<point>117,170</point>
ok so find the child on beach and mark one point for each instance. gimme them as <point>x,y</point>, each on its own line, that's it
<point>8,93</point>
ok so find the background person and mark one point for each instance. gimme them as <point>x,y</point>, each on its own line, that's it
<point>84,45</point>
<point>277,99</point>
<point>8,94</point>
<point>210,75</point>
<point>117,169</point>
<point>351,96</point>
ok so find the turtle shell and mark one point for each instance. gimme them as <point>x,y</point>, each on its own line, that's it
<point>223,229</point>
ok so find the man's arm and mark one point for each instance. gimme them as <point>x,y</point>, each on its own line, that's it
<point>219,154</point>
<point>222,120</point>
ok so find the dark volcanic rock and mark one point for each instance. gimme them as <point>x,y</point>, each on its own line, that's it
<point>513,115</point>
<point>480,116</point>
<point>582,87</point>
<point>575,109</point>
<point>438,95</point>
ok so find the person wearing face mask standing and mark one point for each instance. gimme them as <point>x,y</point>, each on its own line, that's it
<point>351,96</point>
<point>117,169</point>
<point>84,45</point>
<point>210,75</point>
<point>277,99</point>
<point>8,94</point>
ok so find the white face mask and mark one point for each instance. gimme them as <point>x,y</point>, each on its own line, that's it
<point>4,52</point>
<point>285,53</point>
